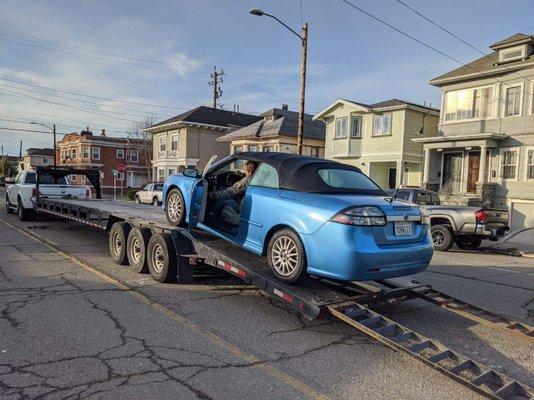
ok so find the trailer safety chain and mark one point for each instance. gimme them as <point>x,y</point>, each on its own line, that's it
<point>471,374</point>
<point>475,313</point>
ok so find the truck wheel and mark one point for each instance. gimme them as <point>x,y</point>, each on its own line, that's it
<point>286,256</point>
<point>155,202</point>
<point>162,262</point>
<point>175,207</point>
<point>9,210</point>
<point>118,236</point>
<point>468,242</point>
<point>137,244</point>
<point>442,237</point>
<point>25,214</point>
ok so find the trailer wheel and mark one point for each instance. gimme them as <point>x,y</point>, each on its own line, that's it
<point>118,236</point>
<point>442,237</point>
<point>162,262</point>
<point>286,256</point>
<point>9,210</point>
<point>175,207</point>
<point>136,249</point>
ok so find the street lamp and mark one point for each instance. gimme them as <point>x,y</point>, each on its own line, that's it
<point>303,55</point>
<point>53,129</point>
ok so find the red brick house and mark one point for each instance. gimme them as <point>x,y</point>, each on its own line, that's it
<point>105,152</point>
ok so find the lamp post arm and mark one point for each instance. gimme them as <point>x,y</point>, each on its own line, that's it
<point>282,23</point>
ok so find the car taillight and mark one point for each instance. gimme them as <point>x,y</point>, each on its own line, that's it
<point>361,216</point>
<point>425,217</point>
<point>480,216</point>
<point>34,192</point>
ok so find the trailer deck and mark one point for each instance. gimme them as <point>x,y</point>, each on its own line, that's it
<point>350,302</point>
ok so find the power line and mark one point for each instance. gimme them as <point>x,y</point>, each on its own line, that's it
<point>28,130</point>
<point>92,96</point>
<point>30,122</point>
<point>301,13</point>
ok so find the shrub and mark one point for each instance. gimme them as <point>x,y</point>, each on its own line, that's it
<point>131,193</point>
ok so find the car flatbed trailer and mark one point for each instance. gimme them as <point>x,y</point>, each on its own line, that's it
<point>350,302</point>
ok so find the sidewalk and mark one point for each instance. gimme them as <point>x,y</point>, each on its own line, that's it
<point>519,244</point>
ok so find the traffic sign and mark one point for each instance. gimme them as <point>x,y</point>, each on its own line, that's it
<point>121,167</point>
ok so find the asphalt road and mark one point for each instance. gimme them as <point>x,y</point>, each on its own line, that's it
<point>75,325</point>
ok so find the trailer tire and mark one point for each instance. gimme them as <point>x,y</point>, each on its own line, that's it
<point>442,237</point>
<point>468,242</point>
<point>25,214</point>
<point>175,207</point>
<point>137,245</point>
<point>118,236</point>
<point>162,260</point>
<point>9,210</point>
<point>286,256</point>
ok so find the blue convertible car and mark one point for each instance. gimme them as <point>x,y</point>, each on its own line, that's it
<point>306,215</point>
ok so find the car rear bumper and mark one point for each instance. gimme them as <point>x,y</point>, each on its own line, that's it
<point>484,230</point>
<point>351,253</point>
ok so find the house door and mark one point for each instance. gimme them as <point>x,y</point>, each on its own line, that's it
<point>452,173</point>
<point>472,171</point>
<point>392,178</point>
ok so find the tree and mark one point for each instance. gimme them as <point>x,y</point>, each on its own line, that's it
<point>135,131</point>
<point>6,167</point>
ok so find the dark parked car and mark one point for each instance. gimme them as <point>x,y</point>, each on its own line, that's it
<point>464,225</point>
<point>3,181</point>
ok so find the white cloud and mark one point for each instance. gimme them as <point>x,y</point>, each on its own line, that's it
<point>182,64</point>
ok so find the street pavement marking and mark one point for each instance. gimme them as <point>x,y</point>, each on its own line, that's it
<point>257,363</point>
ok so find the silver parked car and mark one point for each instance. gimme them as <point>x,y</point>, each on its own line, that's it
<point>150,194</point>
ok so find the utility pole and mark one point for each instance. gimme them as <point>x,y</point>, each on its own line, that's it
<point>216,80</point>
<point>20,151</point>
<point>304,55</point>
<point>55,155</point>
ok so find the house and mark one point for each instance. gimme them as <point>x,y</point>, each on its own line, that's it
<point>190,139</point>
<point>484,151</point>
<point>277,131</point>
<point>377,138</point>
<point>35,157</point>
<point>106,153</point>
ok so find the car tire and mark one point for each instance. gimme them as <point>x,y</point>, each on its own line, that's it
<point>155,202</point>
<point>442,237</point>
<point>286,256</point>
<point>175,207</point>
<point>25,214</point>
<point>9,210</point>
<point>136,200</point>
<point>137,245</point>
<point>162,260</point>
<point>468,242</point>
<point>118,237</point>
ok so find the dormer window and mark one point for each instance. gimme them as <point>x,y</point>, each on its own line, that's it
<point>512,54</point>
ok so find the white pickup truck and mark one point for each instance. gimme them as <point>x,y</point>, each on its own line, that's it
<point>20,196</point>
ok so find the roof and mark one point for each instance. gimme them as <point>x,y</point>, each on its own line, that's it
<point>488,65</point>
<point>41,152</point>
<point>381,105</point>
<point>210,116</point>
<point>296,172</point>
<point>285,125</point>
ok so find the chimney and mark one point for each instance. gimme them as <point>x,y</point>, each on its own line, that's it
<point>285,107</point>
<point>103,132</point>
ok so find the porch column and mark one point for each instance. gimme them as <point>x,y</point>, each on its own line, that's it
<point>482,167</point>
<point>426,167</point>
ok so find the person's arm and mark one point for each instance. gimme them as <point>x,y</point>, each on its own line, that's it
<point>233,192</point>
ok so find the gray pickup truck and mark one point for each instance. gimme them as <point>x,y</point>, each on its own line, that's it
<point>464,225</point>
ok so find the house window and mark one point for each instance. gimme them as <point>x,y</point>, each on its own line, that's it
<point>120,176</point>
<point>120,153</point>
<point>468,104</point>
<point>509,164</point>
<point>314,151</point>
<point>85,152</point>
<point>268,149</point>
<point>161,175</point>
<point>96,153</point>
<point>174,141</point>
<point>341,128</point>
<point>513,54</point>
<point>513,101</point>
<point>162,142</point>
<point>134,155</point>
<point>238,149</point>
<point>73,153</point>
<point>530,164</point>
<point>382,124</point>
<point>171,171</point>
<point>253,148</point>
<point>356,127</point>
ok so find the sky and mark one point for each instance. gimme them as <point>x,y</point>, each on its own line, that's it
<point>162,52</point>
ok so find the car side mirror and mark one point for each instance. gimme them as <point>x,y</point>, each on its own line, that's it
<point>191,172</point>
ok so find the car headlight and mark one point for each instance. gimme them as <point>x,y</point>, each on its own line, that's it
<point>361,216</point>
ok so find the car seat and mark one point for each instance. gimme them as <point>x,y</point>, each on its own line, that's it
<point>230,216</point>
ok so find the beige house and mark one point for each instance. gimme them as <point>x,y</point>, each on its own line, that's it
<point>485,149</point>
<point>377,138</point>
<point>277,131</point>
<point>37,158</point>
<point>190,139</point>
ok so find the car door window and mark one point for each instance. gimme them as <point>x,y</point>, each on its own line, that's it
<point>147,187</point>
<point>158,187</point>
<point>403,195</point>
<point>265,176</point>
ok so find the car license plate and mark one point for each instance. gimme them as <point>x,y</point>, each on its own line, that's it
<point>403,228</point>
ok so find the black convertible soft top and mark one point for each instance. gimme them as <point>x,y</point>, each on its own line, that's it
<point>300,172</point>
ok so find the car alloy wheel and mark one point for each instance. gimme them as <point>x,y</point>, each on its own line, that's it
<point>174,207</point>
<point>155,202</point>
<point>285,255</point>
<point>438,238</point>
<point>137,200</point>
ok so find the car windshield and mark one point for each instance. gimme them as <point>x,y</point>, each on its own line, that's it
<point>46,179</point>
<point>346,179</point>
